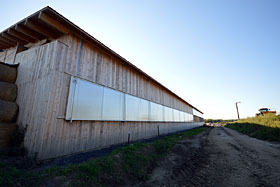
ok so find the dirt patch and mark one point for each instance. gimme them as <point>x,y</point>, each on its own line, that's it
<point>219,157</point>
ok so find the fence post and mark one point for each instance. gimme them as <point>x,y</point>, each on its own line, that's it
<point>128,139</point>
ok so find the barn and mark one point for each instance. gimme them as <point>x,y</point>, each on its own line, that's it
<point>74,94</point>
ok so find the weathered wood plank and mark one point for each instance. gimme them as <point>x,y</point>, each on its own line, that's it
<point>43,90</point>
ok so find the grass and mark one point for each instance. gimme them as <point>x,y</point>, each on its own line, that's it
<point>129,163</point>
<point>11,176</point>
<point>265,127</point>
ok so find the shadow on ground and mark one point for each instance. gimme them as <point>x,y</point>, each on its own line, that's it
<point>257,130</point>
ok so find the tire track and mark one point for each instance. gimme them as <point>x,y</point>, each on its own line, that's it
<point>218,157</point>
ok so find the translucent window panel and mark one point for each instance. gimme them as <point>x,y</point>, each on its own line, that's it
<point>179,115</point>
<point>168,114</point>
<point>186,116</point>
<point>172,114</point>
<point>87,100</point>
<point>156,112</point>
<point>136,109</point>
<point>182,116</point>
<point>144,110</point>
<point>176,115</point>
<point>132,107</point>
<point>113,105</point>
<point>191,118</point>
<point>165,113</point>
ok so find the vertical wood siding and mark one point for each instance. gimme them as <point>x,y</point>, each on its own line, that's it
<point>100,67</point>
<point>43,82</point>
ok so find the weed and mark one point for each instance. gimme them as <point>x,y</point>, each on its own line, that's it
<point>265,127</point>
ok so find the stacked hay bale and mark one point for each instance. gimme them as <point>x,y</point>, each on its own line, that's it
<point>8,107</point>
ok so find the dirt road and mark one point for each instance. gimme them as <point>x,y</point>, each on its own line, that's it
<point>219,157</point>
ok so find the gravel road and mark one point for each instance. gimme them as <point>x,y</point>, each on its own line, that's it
<point>219,157</point>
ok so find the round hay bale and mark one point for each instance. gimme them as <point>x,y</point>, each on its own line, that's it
<point>8,91</point>
<point>6,134</point>
<point>8,111</point>
<point>8,73</point>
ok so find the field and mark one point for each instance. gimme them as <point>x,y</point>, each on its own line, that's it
<point>265,127</point>
<point>130,163</point>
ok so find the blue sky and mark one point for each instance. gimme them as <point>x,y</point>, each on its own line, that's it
<point>211,53</point>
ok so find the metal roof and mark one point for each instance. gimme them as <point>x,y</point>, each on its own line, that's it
<point>49,24</point>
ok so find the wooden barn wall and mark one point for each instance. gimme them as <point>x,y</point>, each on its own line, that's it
<point>2,56</point>
<point>43,82</point>
<point>37,74</point>
<point>100,67</point>
<point>8,56</point>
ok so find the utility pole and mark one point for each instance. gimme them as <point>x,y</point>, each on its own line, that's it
<point>237,109</point>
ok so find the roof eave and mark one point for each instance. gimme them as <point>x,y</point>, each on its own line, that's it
<point>49,24</point>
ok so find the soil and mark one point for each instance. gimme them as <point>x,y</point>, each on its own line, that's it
<point>219,157</point>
